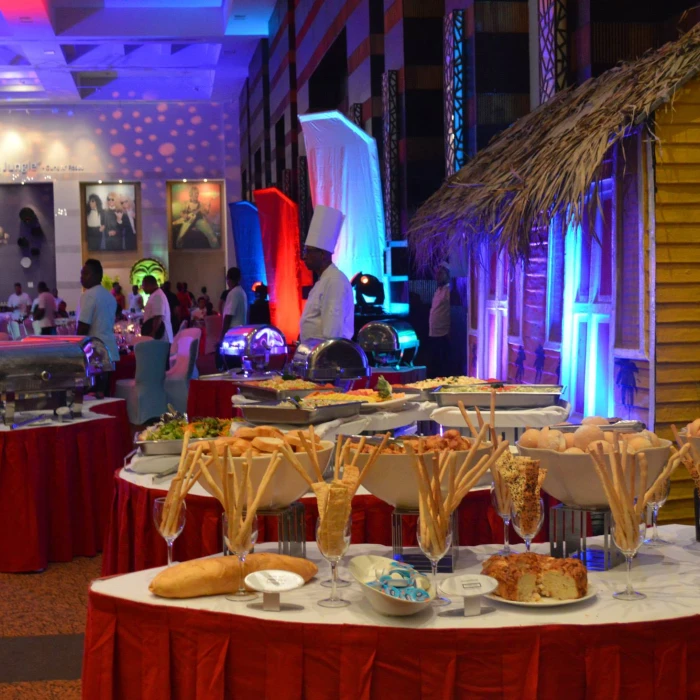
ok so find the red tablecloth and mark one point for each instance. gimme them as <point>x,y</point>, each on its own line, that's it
<point>117,409</point>
<point>210,398</point>
<point>142,652</point>
<point>55,490</point>
<point>133,543</point>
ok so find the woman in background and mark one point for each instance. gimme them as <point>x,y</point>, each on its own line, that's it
<point>95,223</point>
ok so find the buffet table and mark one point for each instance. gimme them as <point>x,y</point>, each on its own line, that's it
<point>211,397</point>
<point>132,542</point>
<point>56,484</point>
<point>140,646</point>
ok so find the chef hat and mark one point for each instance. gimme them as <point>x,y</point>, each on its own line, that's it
<point>325,228</point>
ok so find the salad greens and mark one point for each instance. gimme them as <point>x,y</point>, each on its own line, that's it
<point>383,388</point>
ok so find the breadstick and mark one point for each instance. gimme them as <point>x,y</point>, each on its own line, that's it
<point>313,457</point>
<point>374,456</point>
<point>262,488</point>
<point>494,437</point>
<point>358,451</point>
<point>467,420</point>
<point>218,493</point>
<point>478,417</point>
<point>291,457</point>
<point>338,452</point>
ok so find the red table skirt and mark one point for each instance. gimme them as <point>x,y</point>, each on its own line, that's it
<point>210,398</point>
<point>142,652</point>
<point>56,486</point>
<point>133,543</point>
<point>117,409</point>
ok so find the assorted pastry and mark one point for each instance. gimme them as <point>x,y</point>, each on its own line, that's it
<point>260,440</point>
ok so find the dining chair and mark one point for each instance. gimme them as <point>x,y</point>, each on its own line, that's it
<point>212,328</point>
<point>177,378</point>
<point>13,328</point>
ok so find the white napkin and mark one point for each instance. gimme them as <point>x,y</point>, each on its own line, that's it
<point>153,465</point>
<point>240,400</point>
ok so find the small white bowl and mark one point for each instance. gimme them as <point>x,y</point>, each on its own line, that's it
<point>363,570</point>
<point>470,587</point>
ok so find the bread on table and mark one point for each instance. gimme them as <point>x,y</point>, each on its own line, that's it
<point>530,577</point>
<point>219,575</point>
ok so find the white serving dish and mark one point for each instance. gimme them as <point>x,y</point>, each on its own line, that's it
<point>286,485</point>
<point>393,478</point>
<point>572,479</point>
<point>363,570</point>
<point>546,602</point>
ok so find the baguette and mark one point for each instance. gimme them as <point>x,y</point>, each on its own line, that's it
<point>220,575</point>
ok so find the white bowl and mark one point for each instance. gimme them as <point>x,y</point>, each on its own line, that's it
<point>572,479</point>
<point>363,570</point>
<point>694,441</point>
<point>393,478</point>
<point>286,485</point>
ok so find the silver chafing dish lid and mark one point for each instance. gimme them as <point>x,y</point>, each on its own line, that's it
<point>95,351</point>
<point>253,341</point>
<point>389,335</point>
<point>328,359</point>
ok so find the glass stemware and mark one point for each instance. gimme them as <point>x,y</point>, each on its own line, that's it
<point>621,538</point>
<point>434,555</point>
<point>176,527</point>
<point>657,502</point>
<point>503,511</point>
<point>333,549</point>
<point>528,528</point>
<point>241,547</point>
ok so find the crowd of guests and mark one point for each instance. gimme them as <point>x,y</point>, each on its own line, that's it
<point>44,309</point>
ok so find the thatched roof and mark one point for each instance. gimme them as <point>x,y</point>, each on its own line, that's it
<point>545,162</point>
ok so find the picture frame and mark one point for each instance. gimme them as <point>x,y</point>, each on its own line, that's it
<point>196,214</point>
<point>111,222</point>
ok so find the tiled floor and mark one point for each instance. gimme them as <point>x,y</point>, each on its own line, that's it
<point>36,610</point>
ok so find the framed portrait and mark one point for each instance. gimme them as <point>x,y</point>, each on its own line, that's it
<point>111,217</point>
<point>195,214</point>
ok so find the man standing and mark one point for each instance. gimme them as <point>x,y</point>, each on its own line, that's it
<point>135,300</point>
<point>157,311</point>
<point>45,312</point>
<point>97,311</point>
<point>330,308</point>
<point>173,303</point>
<point>439,325</point>
<point>236,304</point>
<point>19,301</point>
<point>118,295</point>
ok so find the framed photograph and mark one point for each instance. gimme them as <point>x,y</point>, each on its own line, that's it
<point>195,214</point>
<point>111,217</point>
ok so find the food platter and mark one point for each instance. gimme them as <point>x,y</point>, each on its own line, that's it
<point>390,405</point>
<point>509,396</point>
<point>169,441</point>
<point>251,391</point>
<point>546,602</point>
<point>275,413</point>
<point>159,448</point>
<point>414,394</point>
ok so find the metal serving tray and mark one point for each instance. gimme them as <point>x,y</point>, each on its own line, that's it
<point>413,394</point>
<point>273,414</point>
<point>622,426</point>
<point>482,399</point>
<point>266,394</point>
<point>153,448</point>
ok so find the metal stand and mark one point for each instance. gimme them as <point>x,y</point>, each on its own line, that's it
<point>568,532</point>
<point>414,556</point>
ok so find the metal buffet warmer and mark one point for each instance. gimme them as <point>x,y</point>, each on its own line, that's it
<point>389,343</point>
<point>330,360</point>
<point>49,373</point>
<point>254,345</point>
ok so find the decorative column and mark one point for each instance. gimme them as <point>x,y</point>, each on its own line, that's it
<point>390,160</point>
<point>454,74</point>
<point>553,63</point>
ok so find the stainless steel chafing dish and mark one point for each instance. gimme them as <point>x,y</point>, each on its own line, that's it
<point>254,344</point>
<point>95,351</point>
<point>42,375</point>
<point>331,359</point>
<point>389,343</point>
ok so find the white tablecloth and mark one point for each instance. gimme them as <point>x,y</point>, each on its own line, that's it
<point>669,575</point>
<point>450,417</point>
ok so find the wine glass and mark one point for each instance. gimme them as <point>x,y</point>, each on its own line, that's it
<point>333,549</point>
<point>435,551</point>
<point>528,527</point>
<point>621,538</point>
<point>241,547</point>
<point>174,529</point>
<point>505,516</point>
<point>657,502</point>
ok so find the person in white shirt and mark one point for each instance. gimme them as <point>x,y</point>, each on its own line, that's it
<point>439,362</point>
<point>200,313</point>
<point>98,309</point>
<point>58,299</point>
<point>330,308</point>
<point>156,315</point>
<point>135,300</point>
<point>19,301</point>
<point>45,312</point>
<point>236,305</point>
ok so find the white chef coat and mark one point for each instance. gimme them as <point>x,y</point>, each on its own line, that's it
<point>236,306</point>
<point>439,321</point>
<point>135,301</point>
<point>97,310</point>
<point>158,306</point>
<point>330,308</point>
<point>21,301</point>
<point>46,301</point>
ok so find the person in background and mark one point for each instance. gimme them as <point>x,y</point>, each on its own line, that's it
<point>19,301</point>
<point>184,303</point>
<point>156,315</point>
<point>201,311</point>
<point>222,300</point>
<point>96,317</point>
<point>236,306</point>
<point>45,312</point>
<point>193,301</point>
<point>210,310</point>
<point>260,308</point>
<point>135,300</point>
<point>173,303</point>
<point>119,296</point>
<point>58,299</point>
<point>439,325</point>
<point>62,311</point>
<point>203,292</point>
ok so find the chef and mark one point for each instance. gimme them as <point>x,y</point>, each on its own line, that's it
<point>330,308</point>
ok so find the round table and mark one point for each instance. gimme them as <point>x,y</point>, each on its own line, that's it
<point>56,484</point>
<point>132,542</point>
<point>140,646</point>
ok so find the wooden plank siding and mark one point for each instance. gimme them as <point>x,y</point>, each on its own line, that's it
<point>677,201</point>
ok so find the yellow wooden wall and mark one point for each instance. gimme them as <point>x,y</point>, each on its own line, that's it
<point>678,275</point>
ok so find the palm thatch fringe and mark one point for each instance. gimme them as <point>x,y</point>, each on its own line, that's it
<point>544,163</point>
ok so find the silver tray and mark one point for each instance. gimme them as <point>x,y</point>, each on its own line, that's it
<point>482,399</point>
<point>153,448</point>
<point>261,392</point>
<point>413,394</point>
<point>273,414</point>
<point>622,426</point>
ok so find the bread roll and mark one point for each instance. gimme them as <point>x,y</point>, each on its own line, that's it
<point>219,575</point>
<point>569,437</point>
<point>573,451</point>
<point>595,420</point>
<point>552,440</point>
<point>530,438</point>
<point>638,443</point>
<point>607,447</point>
<point>587,434</point>
<point>267,444</point>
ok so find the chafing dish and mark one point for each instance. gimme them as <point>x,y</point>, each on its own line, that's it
<point>519,396</point>
<point>95,351</point>
<point>324,360</point>
<point>281,415</point>
<point>254,345</point>
<point>389,343</point>
<point>42,375</point>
